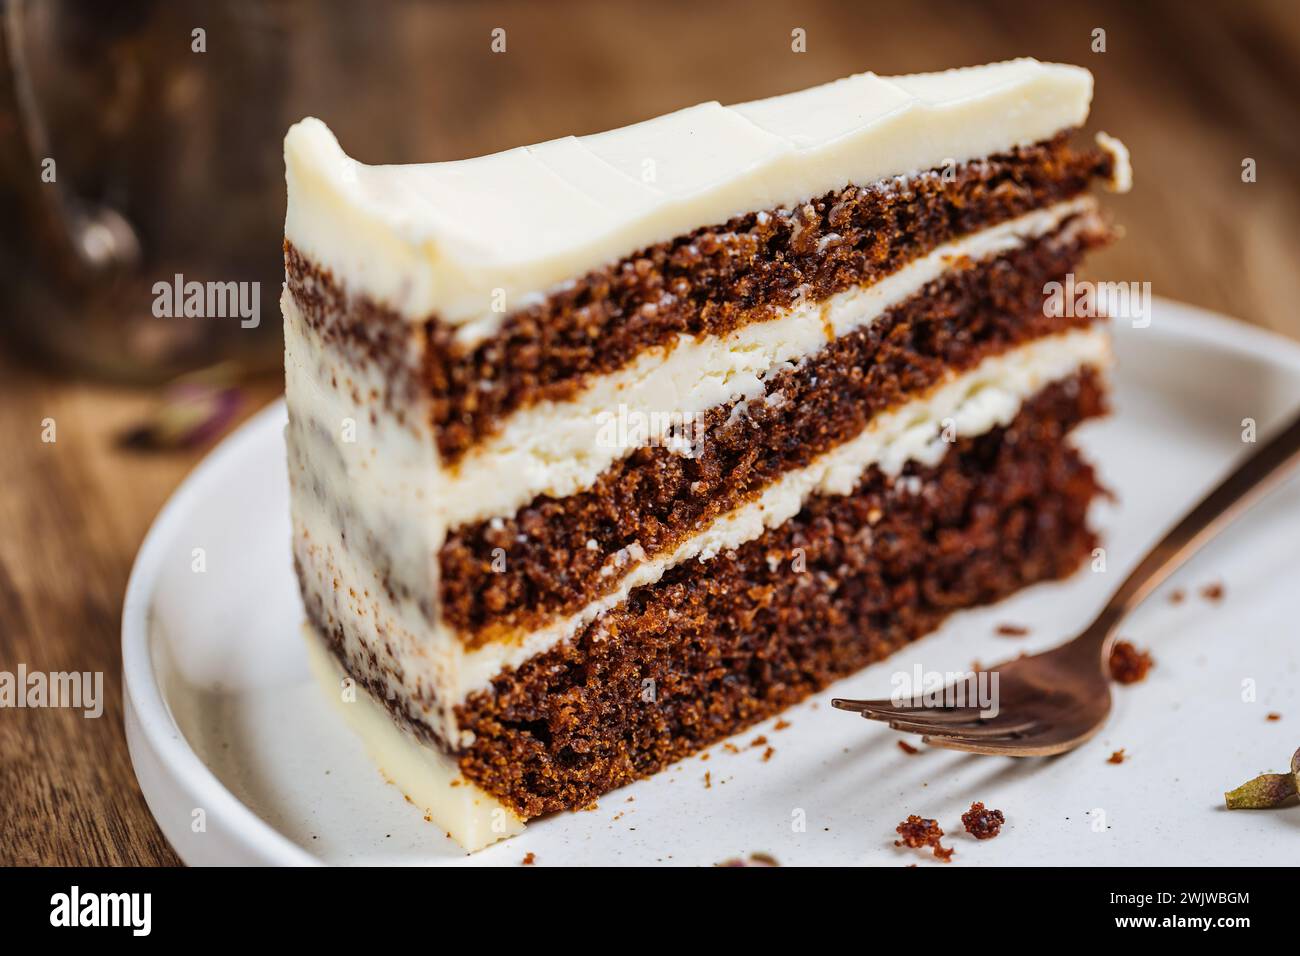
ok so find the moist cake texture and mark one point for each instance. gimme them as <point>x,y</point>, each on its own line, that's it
<point>605,449</point>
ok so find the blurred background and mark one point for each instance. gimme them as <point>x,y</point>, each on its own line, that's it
<point>141,139</point>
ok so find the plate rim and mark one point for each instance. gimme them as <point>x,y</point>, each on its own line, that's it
<point>155,741</point>
<point>159,750</point>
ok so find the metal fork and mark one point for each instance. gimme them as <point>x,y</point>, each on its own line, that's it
<point>1052,702</point>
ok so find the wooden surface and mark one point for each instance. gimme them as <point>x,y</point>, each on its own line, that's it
<point>1193,89</point>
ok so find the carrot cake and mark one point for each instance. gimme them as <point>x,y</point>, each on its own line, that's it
<point>602,450</point>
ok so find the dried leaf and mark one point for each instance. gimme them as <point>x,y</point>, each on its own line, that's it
<point>1266,790</point>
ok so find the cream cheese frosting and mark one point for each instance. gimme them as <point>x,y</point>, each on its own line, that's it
<point>472,240</point>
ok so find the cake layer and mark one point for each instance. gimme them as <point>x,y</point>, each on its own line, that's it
<point>504,576</point>
<point>714,647</point>
<point>455,239</point>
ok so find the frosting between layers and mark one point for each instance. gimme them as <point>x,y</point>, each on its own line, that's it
<point>475,239</point>
<point>556,448</point>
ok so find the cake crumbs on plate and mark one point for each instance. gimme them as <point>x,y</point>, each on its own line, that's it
<point>708,780</point>
<point>529,859</point>
<point>982,823</point>
<point>1128,665</point>
<point>1117,757</point>
<point>920,832</point>
<point>1012,630</point>
<point>1213,592</point>
<point>907,748</point>
<point>1273,716</point>
<point>1177,596</point>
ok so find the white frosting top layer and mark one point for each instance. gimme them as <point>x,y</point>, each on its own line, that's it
<point>475,239</point>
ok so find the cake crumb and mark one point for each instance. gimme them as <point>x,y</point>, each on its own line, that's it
<point>1177,596</point>
<point>1012,630</point>
<point>1213,592</point>
<point>731,748</point>
<point>1117,757</point>
<point>781,724</point>
<point>982,824</point>
<point>767,754</point>
<point>1273,716</point>
<point>1128,665</point>
<point>759,741</point>
<point>920,832</point>
<point>907,748</point>
<point>529,859</point>
<point>755,859</point>
<point>708,780</point>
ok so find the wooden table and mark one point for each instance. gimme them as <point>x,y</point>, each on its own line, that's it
<point>1193,89</point>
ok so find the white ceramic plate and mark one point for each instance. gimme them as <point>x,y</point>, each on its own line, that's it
<point>243,761</point>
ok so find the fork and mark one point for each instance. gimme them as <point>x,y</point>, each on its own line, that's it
<point>1052,702</point>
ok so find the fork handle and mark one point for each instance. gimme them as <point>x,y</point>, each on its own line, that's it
<point>1252,479</point>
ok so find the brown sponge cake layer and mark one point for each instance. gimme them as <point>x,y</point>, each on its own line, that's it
<point>846,582</point>
<point>711,281</point>
<point>560,554</point>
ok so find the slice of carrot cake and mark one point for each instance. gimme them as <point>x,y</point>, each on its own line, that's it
<point>603,449</point>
